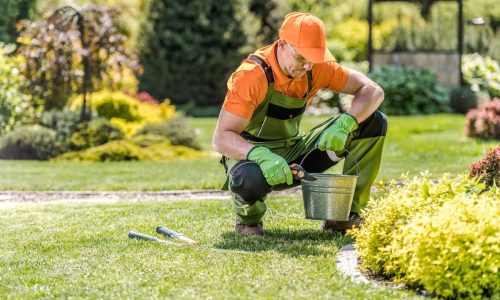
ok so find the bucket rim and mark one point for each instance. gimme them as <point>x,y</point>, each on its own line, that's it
<point>326,175</point>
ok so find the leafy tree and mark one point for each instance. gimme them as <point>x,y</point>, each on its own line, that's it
<point>73,50</point>
<point>189,48</point>
<point>269,16</point>
<point>12,12</point>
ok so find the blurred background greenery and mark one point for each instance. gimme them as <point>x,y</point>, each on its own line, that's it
<point>108,80</point>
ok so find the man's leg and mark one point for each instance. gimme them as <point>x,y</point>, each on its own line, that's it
<point>249,188</point>
<point>366,149</point>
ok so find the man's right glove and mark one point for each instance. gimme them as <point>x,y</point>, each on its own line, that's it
<point>274,167</point>
<point>335,136</point>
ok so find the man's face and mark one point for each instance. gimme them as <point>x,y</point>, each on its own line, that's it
<point>295,64</point>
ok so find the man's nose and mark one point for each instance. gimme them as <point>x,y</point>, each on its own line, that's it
<point>307,66</point>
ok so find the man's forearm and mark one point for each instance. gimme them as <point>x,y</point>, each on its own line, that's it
<point>232,145</point>
<point>366,101</point>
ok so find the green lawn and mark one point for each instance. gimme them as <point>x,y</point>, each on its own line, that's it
<point>82,251</point>
<point>414,144</point>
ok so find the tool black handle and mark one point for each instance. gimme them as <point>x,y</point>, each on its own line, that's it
<point>141,236</point>
<point>167,232</point>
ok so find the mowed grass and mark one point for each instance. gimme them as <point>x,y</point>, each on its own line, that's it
<point>82,251</point>
<point>414,144</point>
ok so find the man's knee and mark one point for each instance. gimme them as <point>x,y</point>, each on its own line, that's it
<point>247,181</point>
<point>374,126</point>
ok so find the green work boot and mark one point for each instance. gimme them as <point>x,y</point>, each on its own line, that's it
<point>341,226</point>
<point>249,230</point>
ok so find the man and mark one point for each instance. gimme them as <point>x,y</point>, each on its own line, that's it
<point>258,128</point>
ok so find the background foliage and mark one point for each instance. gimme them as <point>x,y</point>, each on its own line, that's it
<point>16,106</point>
<point>410,91</point>
<point>12,12</point>
<point>189,49</point>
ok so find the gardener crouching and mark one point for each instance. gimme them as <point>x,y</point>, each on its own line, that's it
<point>258,127</point>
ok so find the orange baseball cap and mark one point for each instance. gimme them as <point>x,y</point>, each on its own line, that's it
<point>306,33</point>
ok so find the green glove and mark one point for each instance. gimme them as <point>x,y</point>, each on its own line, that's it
<point>274,167</point>
<point>335,136</point>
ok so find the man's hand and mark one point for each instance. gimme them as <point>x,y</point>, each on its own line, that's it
<point>274,167</point>
<point>335,136</point>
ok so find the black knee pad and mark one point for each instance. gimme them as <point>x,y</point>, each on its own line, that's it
<point>247,181</point>
<point>374,126</point>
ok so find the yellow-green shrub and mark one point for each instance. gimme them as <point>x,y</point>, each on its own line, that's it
<point>126,112</point>
<point>111,151</point>
<point>396,206</point>
<point>141,147</point>
<point>94,133</point>
<point>453,252</point>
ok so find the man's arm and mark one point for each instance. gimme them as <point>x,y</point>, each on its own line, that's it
<point>227,140</point>
<point>367,95</point>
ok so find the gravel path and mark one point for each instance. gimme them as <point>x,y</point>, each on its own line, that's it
<point>19,197</point>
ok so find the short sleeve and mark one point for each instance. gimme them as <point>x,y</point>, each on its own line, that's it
<point>330,75</point>
<point>246,89</point>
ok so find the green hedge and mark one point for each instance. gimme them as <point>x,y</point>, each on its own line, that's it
<point>410,91</point>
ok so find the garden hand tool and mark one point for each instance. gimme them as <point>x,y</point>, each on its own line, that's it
<point>335,136</point>
<point>142,236</point>
<point>175,235</point>
<point>299,173</point>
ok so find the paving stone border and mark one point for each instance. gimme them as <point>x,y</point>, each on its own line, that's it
<point>347,264</point>
<point>347,261</point>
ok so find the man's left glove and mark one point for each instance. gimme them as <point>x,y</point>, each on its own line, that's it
<point>335,136</point>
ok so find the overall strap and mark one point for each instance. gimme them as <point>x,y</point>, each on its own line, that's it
<point>267,69</point>
<point>309,83</point>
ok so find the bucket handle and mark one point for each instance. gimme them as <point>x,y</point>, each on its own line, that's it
<point>358,170</point>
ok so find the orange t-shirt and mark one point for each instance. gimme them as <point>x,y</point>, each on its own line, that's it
<point>247,86</point>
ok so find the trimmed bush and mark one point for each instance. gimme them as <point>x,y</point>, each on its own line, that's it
<point>148,147</point>
<point>484,122</point>
<point>396,206</point>
<point>452,252</point>
<point>440,235</point>
<point>462,99</point>
<point>94,133</point>
<point>112,151</point>
<point>127,112</point>
<point>488,169</point>
<point>65,122</point>
<point>176,130</point>
<point>30,142</point>
<point>410,91</point>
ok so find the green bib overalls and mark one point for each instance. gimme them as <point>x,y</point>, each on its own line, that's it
<point>275,124</point>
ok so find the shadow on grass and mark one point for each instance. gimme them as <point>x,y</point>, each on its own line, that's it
<point>295,243</point>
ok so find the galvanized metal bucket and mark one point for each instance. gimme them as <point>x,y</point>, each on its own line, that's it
<point>329,197</point>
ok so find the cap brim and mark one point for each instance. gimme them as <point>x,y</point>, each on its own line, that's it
<point>316,55</point>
